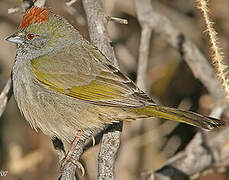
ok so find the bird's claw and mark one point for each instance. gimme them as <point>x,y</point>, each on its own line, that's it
<point>78,164</point>
<point>93,140</point>
<point>69,158</point>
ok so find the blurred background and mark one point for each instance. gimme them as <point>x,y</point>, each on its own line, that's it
<point>26,154</point>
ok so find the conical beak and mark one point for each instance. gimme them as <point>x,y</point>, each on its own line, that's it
<point>15,38</point>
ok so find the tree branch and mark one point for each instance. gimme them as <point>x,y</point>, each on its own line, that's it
<point>196,156</point>
<point>188,51</point>
<point>5,95</point>
<point>97,21</point>
<point>129,149</point>
<point>69,171</point>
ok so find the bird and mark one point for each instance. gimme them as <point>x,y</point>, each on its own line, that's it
<point>63,84</point>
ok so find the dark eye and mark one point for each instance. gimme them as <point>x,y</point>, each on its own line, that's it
<point>30,36</point>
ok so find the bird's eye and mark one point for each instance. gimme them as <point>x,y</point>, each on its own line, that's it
<point>30,36</point>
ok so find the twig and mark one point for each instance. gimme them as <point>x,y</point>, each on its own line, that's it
<point>194,160</point>
<point>98,33</point>
<point>23,6</point>
<point>117,20</point>
<point>5,96</point>
<point>39,3</point>
<point>13,10</point>
<point>70,2</point>
<point>189,52</point>
<point>26,4</point>
<point>143,51</point>
<point>129,149</point>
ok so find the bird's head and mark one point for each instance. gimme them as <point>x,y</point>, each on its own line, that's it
<point>42,32</point>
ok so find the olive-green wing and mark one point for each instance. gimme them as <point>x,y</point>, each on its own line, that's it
<point>84,74</point>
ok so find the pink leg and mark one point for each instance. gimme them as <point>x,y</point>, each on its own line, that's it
<point>68,156</point>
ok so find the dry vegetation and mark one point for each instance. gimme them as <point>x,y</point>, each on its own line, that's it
<point>145,145</point>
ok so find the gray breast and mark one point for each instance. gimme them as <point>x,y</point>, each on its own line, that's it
<point>54,113</point>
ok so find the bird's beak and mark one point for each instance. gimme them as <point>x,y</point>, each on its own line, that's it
<point>15,38</point>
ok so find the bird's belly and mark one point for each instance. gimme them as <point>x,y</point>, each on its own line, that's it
<point>54,113</point>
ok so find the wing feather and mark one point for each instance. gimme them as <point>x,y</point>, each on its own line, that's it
<point>87,75</point>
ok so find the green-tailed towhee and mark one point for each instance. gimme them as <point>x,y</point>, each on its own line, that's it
<point>63,84</point>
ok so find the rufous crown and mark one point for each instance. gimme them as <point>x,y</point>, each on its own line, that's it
<point>34,15</point>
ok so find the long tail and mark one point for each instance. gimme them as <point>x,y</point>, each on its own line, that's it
<point>174,114</point>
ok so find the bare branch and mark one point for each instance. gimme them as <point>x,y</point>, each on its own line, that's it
<point>23,6</point>
<point>143,56</point>
<point>189,52</point>
<point>69,171</point>
<point>5,96</point>
<point>99,37</point>
<point>26,5</point>
<point>196,158</point>
<point>70,2</point>
<point>107,155</point>
<point>129,148</point>
<point>110,142</point>
<point>97,21</point>
<point>39,3</point>
<point>13,10</point>
<point>117,20</point>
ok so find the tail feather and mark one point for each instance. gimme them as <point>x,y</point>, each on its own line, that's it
<point>174,114</point>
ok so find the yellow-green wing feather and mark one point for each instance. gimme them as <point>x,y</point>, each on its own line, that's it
<point>88,78</point>
<point>83,73</point>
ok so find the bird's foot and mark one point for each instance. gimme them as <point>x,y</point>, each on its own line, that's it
<point>68,156</point>
<point>73,161</point>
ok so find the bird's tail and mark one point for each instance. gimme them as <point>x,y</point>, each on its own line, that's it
<point>174,114</point>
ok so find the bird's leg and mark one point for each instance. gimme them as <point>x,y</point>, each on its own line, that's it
<point>68,156</point>
<point>75,141</point>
